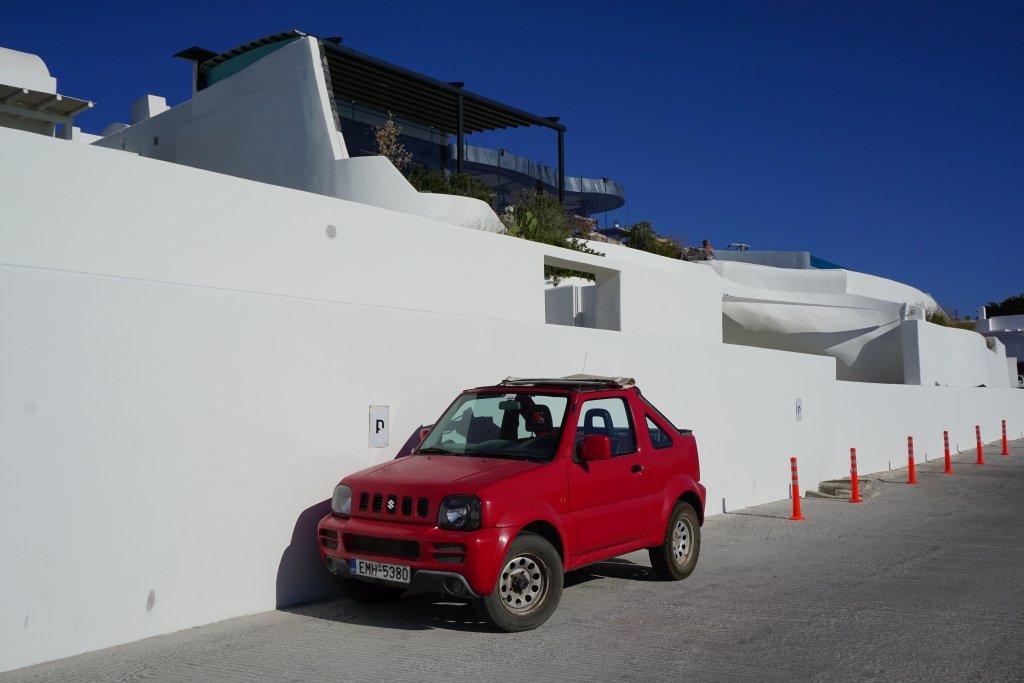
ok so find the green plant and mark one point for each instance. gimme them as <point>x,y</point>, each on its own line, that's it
<point>439,182</point>
<point>526,226</point>
<point>937,317</point>
<point>540,217</point>
<point>1013,305</point>
<point>549,220</point>
<point>642,236</point>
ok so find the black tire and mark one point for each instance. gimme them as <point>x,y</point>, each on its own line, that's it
<point>529,586</point>
<point>676,557</point>
<point>366,592</point>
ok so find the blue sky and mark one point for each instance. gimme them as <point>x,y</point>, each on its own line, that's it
<point>884,136</point>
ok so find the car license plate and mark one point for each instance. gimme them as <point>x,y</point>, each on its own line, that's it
<point>379,570</point>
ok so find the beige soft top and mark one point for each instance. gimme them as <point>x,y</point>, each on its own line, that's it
<point>619,382</point>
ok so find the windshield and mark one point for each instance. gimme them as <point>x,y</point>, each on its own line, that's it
<point>518,424</point>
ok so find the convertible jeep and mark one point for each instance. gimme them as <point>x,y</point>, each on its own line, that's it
<point>514,485</point>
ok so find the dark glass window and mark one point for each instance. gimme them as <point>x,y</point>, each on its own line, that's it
<point>608,417</point>
<point>659,437</point>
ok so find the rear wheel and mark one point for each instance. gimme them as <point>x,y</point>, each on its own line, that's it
<point>364,591</point>
<point>676,557</point>
<point>528,588</point>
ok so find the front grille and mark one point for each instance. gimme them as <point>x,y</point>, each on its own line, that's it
<point>450,548</point>
<point>449,553</point>
<point>329,539</point>
<point>393,504</point>
<point>407,550</point>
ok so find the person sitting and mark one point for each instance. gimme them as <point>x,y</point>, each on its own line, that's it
<point>707,251</point>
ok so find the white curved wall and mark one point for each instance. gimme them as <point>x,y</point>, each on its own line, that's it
<point>376,181</point>
<point>883,288</point>
<point>25,70</point>
<point>857,319</point>
<point>272,122</point>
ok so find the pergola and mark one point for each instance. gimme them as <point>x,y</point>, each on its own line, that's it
<point>41,106</point>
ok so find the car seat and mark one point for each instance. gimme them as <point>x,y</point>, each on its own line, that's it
<point>606,422</point>
<point>538,420</point>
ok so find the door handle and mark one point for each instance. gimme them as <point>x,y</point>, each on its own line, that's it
<point>635,469</point>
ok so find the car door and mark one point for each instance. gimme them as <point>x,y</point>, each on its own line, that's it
<point>606,497</point>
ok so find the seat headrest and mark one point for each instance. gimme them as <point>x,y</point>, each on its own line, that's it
<point>606,421</point>
<point>538,419</point>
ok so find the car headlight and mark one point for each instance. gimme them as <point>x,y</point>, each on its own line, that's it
<point>461,513</point>
<point>341,501</point>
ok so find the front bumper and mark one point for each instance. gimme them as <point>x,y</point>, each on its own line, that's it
<point>429,581</point>
<point>475,575</point>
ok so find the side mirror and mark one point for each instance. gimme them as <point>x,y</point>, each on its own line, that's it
<point>596,447</point>
<point>423,432</point>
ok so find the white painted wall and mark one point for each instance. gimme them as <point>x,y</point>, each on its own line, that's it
<point>25,70</point>
<point>1001,322</point>
<point>876,287</point>
<point>572,302</point>
<point>880,422</point>
<point>855,318</point>
<point>272,122</point>
<point>182,225</point>
<point>375,181</point>
<point>562,306</point>
<point>186,369</point>
<point>946,356</point>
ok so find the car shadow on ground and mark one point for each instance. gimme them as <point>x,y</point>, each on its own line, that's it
<point>411,612</point>
<point>423,611</point>
<point>615,568</point>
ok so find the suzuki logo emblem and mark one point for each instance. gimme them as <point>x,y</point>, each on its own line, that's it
<point>391,504</point>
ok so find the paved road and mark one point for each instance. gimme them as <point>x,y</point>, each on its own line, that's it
<point>919,583</point>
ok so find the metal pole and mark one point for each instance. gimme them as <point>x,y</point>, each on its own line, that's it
<point>604,186</point>
<point>561,167</point>
<point>458,147</point>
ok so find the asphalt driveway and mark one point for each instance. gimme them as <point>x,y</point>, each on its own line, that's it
<point>918,583</point>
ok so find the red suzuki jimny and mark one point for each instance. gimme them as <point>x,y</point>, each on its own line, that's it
<point>516,484</point>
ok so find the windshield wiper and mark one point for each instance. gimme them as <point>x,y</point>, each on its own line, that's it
<point>509,456</point>
<point>434,450</point>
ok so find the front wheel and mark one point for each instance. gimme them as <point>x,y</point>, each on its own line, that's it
<point>528,588</point>
<point>676,557</point>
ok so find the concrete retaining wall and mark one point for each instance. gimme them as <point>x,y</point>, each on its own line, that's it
<point>186,367</point>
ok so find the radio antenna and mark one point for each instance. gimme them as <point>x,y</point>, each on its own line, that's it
<point>579,387</point>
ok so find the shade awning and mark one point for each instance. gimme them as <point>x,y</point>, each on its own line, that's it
<point>41,106</point>
<point>358,77</point>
